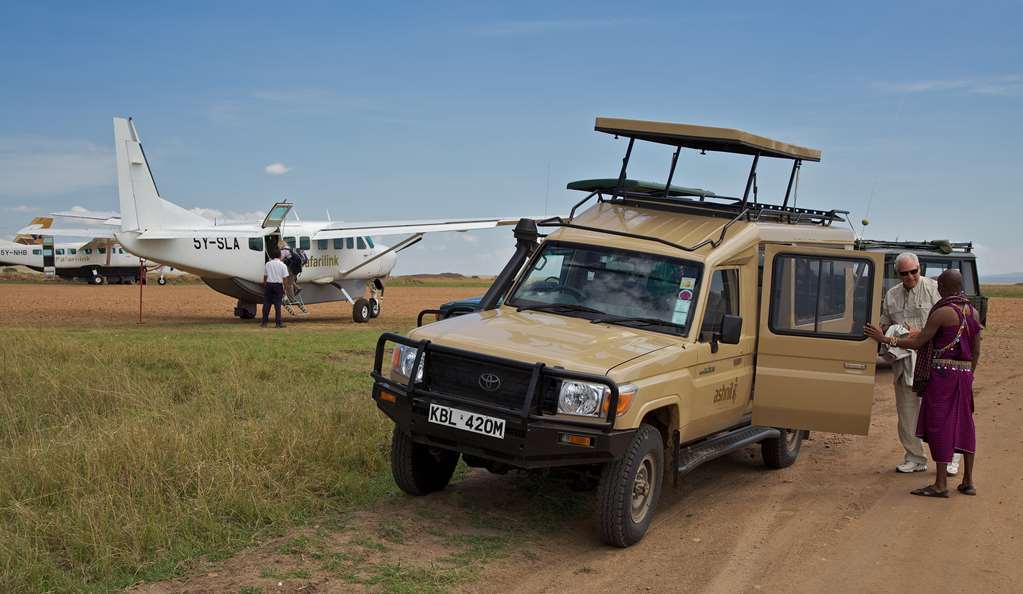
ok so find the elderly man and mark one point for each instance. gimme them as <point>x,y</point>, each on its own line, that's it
<point>908,304</point>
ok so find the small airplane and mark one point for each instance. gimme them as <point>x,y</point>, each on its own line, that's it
<point>343,258</point>
<point>97,261</point>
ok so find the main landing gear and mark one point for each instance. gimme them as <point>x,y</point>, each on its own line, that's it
<point>245,311</point>
<point>363,310</point>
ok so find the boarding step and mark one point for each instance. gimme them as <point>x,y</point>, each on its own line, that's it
<point>690,457</point>
<point>289,307</point>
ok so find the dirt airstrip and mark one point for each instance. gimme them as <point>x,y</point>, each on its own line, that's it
<point>839,520</point>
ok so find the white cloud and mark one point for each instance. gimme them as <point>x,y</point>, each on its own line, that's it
<point>22,208</point>
<point>277,169</point>
<point>1011,84</point>
<point>538,27</point>
<point>41,166</point>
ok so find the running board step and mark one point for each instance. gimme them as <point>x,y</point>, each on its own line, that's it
<point>692,456</point>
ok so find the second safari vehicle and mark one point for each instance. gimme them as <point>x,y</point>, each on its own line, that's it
<point>659,328</point>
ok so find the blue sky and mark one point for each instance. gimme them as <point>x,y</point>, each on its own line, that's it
<point>417,110</point>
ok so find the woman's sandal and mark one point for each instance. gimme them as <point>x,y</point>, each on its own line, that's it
<point>929,491</point>
<point>967,489</point>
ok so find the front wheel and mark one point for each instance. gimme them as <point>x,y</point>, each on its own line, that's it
<point>780,452</point>
<point>420,469</point>
<point>630,487</point>
<point>360,311</point>
<point>161,281</point>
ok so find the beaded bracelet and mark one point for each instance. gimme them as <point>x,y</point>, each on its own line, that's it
<point>893,341</point>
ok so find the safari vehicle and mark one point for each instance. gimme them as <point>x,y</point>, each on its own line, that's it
<point>640,336</point>
<point>935,257</point>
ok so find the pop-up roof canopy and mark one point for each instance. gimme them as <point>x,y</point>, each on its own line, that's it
<point>707,138</point>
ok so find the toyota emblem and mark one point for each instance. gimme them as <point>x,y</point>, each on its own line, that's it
<point>490,382</point>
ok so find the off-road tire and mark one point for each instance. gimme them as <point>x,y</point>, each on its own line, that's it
<point>419,469</point>
<point>618,481</point>
<point>374,307</point>
<point>780,452</point>
<point>361,311</point>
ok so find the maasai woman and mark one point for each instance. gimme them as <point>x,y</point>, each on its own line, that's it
<point>949,348</point>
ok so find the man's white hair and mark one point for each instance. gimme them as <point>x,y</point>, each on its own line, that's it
<point>909,257</point>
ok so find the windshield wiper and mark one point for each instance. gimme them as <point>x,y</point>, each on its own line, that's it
<point>560,307</point>
<point>633,319</point>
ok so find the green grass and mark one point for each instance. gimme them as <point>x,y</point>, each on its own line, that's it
<point>433,281</point>
<point>1002,290</point>
<point>125,454</point>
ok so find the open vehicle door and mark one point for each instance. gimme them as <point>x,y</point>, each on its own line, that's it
<point>815,367</point>
<point>277,214</point>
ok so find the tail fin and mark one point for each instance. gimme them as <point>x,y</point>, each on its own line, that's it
<point>141,205</point>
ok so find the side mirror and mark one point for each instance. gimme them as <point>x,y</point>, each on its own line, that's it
<point>731,329</point>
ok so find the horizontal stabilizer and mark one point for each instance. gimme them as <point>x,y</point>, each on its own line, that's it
<point>30,230</point>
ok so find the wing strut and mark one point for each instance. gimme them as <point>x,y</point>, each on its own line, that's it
<point>408,242</point>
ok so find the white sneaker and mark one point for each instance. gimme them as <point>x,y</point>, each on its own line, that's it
<point>953,466</point>
<point>907,467</point>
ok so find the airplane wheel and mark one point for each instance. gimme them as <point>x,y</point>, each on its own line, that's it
<point>374,307</point>
<point>161,281</point>
<point>97,280</point>
<point>361,311</point>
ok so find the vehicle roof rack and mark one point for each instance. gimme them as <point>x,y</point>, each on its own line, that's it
<point>943,246</point>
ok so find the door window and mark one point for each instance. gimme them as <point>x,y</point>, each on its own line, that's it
<point>723,299</point>
<point>369,241</point>
<point>820,296</point>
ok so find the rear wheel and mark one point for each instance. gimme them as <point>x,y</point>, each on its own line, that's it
<point>420,469</point>
<point>360,311</point>
<point>782,451</point>
<point>630,487</point>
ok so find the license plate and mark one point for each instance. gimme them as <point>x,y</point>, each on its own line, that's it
<point>467,421</point>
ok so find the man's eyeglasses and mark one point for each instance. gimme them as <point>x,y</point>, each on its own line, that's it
<point>913,272</point>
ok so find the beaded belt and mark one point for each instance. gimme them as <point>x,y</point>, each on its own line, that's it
<point>952,365</point>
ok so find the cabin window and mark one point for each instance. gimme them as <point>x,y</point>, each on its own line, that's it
<point>60,251</point>
<point>321,244</point>
<point>87,250</point>
<point>256,244</point>
<point>350,243</point>
<point>723,299</point>
<point>303,243</point>
<point>120,250</point>
<point>339,243</point>
<point>72,251</point>
<point>820,296</point>
<point>290,241</point>
<point>360,243</point>
<point>369,240</point>
<point>101,250</point>
<point>37,252</point>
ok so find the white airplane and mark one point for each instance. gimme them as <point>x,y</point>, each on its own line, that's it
<point>343,259</point>
<point>99,260</point>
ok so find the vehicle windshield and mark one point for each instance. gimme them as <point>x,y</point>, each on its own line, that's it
<point>611,285</point>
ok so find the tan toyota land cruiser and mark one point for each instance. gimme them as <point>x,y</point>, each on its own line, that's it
<point>661,327</point>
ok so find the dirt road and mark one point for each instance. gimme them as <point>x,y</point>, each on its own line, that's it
<point>839,520</point>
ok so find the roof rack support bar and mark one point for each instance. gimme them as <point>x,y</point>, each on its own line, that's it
<point>792,177</point>
<point>625,165</point>
<point>571,215</point>
<point>749,180</point>
<point>671,172</point>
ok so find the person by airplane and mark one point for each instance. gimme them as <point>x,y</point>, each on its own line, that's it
<point>275,283</point>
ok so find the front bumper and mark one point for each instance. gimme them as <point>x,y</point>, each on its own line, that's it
<point>531,439</point>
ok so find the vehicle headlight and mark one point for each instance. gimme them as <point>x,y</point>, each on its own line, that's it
<point>402,360</point>
<point>581,398</point>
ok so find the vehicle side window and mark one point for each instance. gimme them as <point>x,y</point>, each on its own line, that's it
<point>256,244</point>
<point>722,300</point>
<point>303,243</point>
<point>934,268</point>
<point>338,244</point>
<point>290,241</point>
<point>369,241</point>
<point>969,277</point>
<point>321,244</point>
<point>820,296</point>
<point>350,243</point>
<point>361,243</point>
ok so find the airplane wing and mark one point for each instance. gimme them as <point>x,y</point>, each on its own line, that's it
<point>76,232</point>
<point>190,233</point>
<point>340,230</point>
